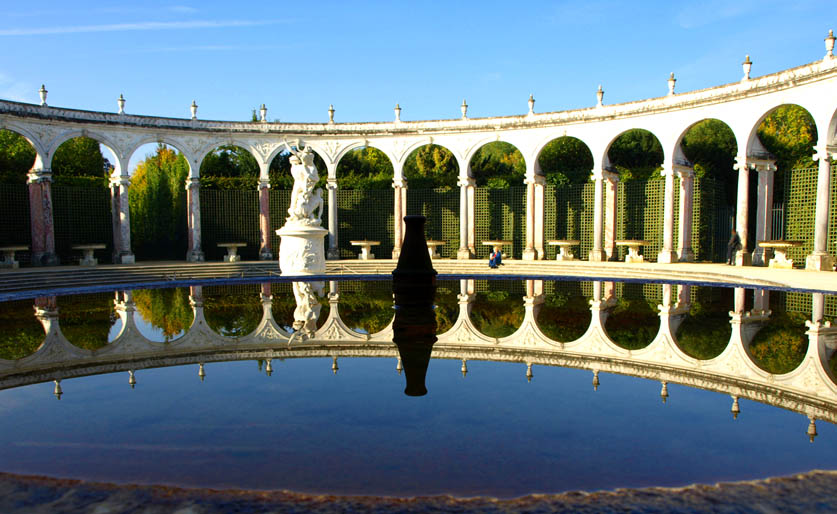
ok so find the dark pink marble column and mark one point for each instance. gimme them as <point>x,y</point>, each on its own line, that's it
<point>40,209</point>
<point>193,199</point>
<point>265,252</point>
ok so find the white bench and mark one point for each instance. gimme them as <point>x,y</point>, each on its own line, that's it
<point>565,252</point>
<point>232,251</point>
<point>633,249</point>
<point>87,253</point>
<point>497,242</point>
<point>365,249</point>
<point>432,248</point>
<point>9,255</point>
<point>780,257</point>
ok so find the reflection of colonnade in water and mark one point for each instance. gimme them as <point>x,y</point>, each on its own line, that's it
<point>741,105</point>
<point>810,389</point>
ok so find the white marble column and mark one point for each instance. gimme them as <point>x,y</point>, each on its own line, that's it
<point>121,215</point>
<point>193,203</point>
<point>40,218</point>
<point>819,258</point>
<point>667,254</point>
<point>399,211</point>
<point>472,219</point>
<point>764,214</point>
<point>743,258</point>
<point>265,251</point>
<point>611,207</point>
<point>686,213</point>
<point>540,188</point>
<point>333,250</point>
<point>463,252</point>
<point>597,254</point>
<point>529,251</point>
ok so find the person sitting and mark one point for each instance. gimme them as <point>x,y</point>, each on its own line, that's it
<point>495,258</point>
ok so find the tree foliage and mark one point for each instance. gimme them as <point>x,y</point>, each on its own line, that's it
<point>158,205</point>
<point>431,166</point>
<point>710,145</point>
<point>780,347</point>
<point>168,310</point>
<point>85,319</point>
<point>365,168</point>
<point>637,155</point>
<point>80,157</point>
<point>566,160</point>
<point>229,161</point>
<point>280,171</point>
<point>16,157</point>
<point>498,165</point>
<point>789,133</point>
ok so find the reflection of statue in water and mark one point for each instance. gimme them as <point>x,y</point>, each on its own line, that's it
<point>304,199</point>
<point>307,309</point>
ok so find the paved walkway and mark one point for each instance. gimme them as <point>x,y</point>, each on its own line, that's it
<point>176,273</point>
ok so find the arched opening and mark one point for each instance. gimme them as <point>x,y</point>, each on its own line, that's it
<point>22,332</point>
<point>634,321</point>
<point>81,198</point>
<point>634,205</point>
<point>233,310</point>
<point>705,332</point>
<point>279,195</point>
<point>788,134</point>
<point>157,199</point>
<point>86,319</point>
<point>365,201</point>
<point>446,304</point>
<point>432,173</point>
<point>229,200</point>
<point>780,346</point>
<point>366,307</point>
<point>163,315</point>
<point>498,169</point>
<point>498,308</point>
<point>17,157</point>
<point>709,149</point>
<point>565,315</point>
<point>566,163</point>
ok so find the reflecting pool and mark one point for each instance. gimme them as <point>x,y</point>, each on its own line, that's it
<point>533,387</point>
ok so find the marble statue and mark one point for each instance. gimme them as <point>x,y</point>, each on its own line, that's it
<point>305,200</point>
<point>307,309</point>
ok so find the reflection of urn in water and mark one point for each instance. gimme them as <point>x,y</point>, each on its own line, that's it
<point>301,250</point>
<point>414,289</point>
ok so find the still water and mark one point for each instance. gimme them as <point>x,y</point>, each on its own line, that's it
<point>497,420</point>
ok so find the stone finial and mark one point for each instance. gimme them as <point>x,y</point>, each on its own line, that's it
<point>334,367</point>
<point>746,65</point>
<point>43,92</point>
<point>464,368</point>
<point>194,109</point>
<point>529,373</point>
<point>201,372</point>
<point>599,96</point>
<point>263,113</point>
<point>531,104</point>
<point>397,113</point>
<point>121,103</point>
<point>664,392</point>
<point>829,44</point>
<point>595,380</point>
<point>735,409</point>
<point>132,380</point>
<point>57,391</point>
<point>331,114</point>
<point>464,109</point>
<point>268,369</point>
<point>398,366</point>
<point>812,429</point>
<point>671,82</point>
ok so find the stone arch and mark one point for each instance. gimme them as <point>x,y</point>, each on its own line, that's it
<point>570,139</point>
<point>40,150</point>
<point>755,145</point>
<point>679,153</point>
<point>608,158</point>
<point>478,145</point>
<point>100,138</point>
<point>174,143</point>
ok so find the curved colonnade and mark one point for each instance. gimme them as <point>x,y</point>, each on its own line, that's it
<point>810,389</point>
<point>741,105</point>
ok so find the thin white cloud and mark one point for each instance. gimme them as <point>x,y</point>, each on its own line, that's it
<point>122,27</point>
<point>183,9</point>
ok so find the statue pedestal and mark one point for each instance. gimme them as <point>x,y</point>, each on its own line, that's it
<point>301,249</point>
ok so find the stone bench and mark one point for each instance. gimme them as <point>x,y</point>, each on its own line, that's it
<point>365,249</point>
<point>633,249</point>
<point>9,255</point>
<point>432,248</point>
<point>565,252</point>
<point>780,247</point>
<point>232,251</point>
<point>87,253</point>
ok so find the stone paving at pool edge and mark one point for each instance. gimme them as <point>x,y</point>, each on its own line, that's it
<point>807,492</point>
<point>69,276</point>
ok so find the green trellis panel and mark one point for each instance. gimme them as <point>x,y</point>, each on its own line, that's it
<point>568,213</point>
<point>14,211</point>
<point>800,212</point>
<point>441,208</point>
<point>365,215</point>
<point>229,216</point>
<point>640,215</point>
<point>81,215</point>
<point>500,214</point>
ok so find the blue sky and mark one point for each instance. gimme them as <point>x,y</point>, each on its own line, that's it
<point>363,57</point>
